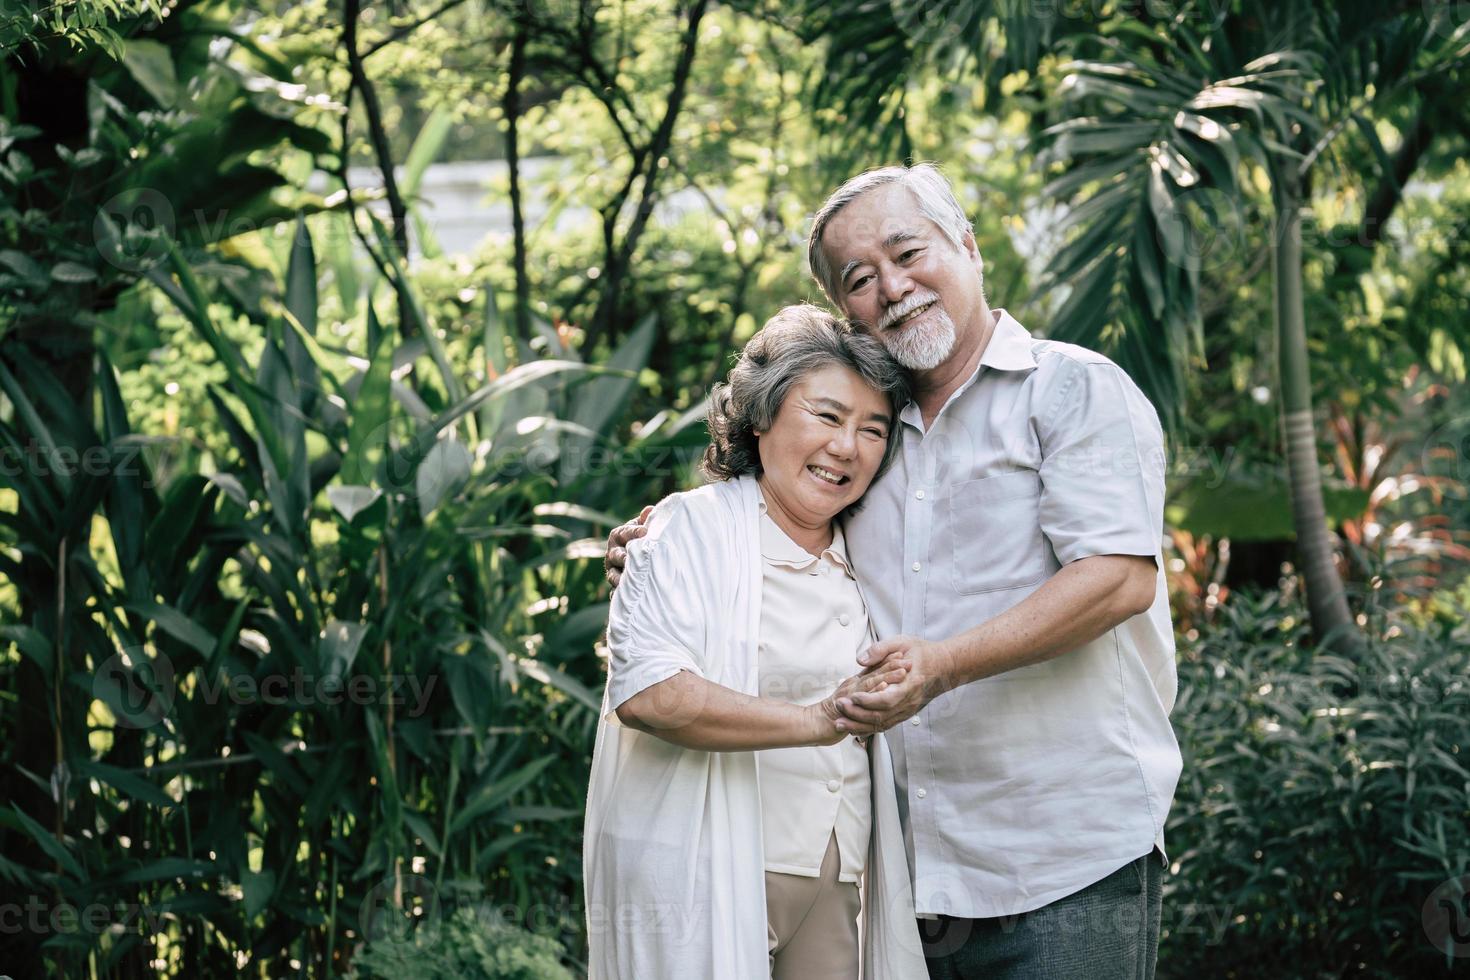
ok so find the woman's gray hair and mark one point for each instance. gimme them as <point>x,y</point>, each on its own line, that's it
<point>795,342</point>
<point>932,192</point>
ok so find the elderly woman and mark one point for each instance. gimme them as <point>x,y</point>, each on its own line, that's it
<point>733,830</point>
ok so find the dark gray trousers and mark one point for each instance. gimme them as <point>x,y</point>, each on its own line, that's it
<point>1107,931</point>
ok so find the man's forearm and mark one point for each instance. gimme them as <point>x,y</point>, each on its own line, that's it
<point>1081,602</point>
<point>695,713</point>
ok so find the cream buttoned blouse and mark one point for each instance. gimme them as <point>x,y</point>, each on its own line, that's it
<point>813,626</point>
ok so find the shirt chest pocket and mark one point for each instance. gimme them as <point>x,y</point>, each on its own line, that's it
<point>995,530</point>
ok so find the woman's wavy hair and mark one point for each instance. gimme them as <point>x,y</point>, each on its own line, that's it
<point>795,342</point>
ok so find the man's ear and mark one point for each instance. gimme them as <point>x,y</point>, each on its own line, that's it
<point>971,248</point>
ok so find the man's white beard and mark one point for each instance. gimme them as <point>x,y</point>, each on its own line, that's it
<point>922,346</point>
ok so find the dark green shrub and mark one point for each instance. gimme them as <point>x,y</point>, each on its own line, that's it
<point>462,947</point>
<point>1322,802</point>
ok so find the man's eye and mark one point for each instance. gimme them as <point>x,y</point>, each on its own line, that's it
<point>909,254</point>
<point>858,283</point>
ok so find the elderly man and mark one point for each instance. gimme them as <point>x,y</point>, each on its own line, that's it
<point>1011,557</point>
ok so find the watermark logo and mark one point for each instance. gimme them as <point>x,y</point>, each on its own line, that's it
<point>932,22</point>
<point>1446,917</point>
<point>139,689</point>
<point>1447,18</point>
<point>1447,451</point>
<point>1202,230</point>
<point>396,906</point>
<point>133,229</point>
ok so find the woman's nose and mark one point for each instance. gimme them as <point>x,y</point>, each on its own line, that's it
<point>843,444</point>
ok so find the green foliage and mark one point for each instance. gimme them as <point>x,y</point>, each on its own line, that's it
<point>419,557</point>
<point>461,947</point>
<point>248,458</point>
<point>1322,801</point>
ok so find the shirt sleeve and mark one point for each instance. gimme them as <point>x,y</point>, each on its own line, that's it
<point>1102,465</point>
<point>656,625</point>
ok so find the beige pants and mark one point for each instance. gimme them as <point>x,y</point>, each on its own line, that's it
<point>812,923</point>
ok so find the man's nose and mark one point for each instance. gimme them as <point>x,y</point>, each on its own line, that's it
<point>895,284</point>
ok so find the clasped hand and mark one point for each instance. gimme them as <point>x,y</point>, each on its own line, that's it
<point>829,721</point>
<point>877,708</point>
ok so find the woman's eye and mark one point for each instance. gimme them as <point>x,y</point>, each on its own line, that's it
<point>877,433</point>
<point>828,417</point>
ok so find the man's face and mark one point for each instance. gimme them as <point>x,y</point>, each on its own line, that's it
<point>901,278</point>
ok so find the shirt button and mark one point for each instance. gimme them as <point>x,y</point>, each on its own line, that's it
<point>844,619</point>
<point>921,793</point>
<point>833,785</point>
<point>915,566</point>
<point>919,495</point>
<point>914,720</point>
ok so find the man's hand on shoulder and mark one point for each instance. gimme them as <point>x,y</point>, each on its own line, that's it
<point>929,673</point>
<point>617,545</point>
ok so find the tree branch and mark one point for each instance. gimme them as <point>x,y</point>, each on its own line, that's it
<point>512,106</point>
<point>620,259</point>
<point>399,33</point>
<point>397,211</point>
<point>377,132</point>
<point>1385,199</point>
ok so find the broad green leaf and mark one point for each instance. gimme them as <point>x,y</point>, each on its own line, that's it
<point>191,301</point>
<point>563,682</point>
<point>486,799</point>
<point>1251,509</point>
<point>24,266</point>
<point>175,624</point>
<point>133,785</point>
<point>408,299</point>
<point>58,851</point>
<point>425,149</point>
<point>301,294</point>
<point>165,868</point>
<point>152,66</point>
<point>351,500</point>
<point>339,644</point>
<point>72,272</point>
<point>367,438</point>
<point>518,377</point>
<point>442,472</point>
<point>276,762</point>
<point>32,642</point>
<point>423,831</point>
<point>599,402</point>
<point>257,889</point>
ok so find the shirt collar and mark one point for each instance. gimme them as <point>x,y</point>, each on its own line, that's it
<point>778,548</point>
<point>1009,349</point>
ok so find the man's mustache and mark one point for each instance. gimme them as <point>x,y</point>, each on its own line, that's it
<point>903,309</point>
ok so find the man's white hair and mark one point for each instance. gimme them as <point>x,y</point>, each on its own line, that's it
<point>931,192</point>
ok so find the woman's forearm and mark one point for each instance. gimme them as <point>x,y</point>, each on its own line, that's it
<point>695,713</point>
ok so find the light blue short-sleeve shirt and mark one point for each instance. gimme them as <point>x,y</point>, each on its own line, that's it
<point>1023,788</point>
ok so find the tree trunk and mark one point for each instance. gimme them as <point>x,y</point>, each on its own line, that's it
<point>1332,622</point>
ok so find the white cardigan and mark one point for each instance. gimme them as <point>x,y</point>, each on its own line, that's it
<point>672,853</point>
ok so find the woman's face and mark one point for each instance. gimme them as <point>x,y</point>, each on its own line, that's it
<point>825,445</point>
